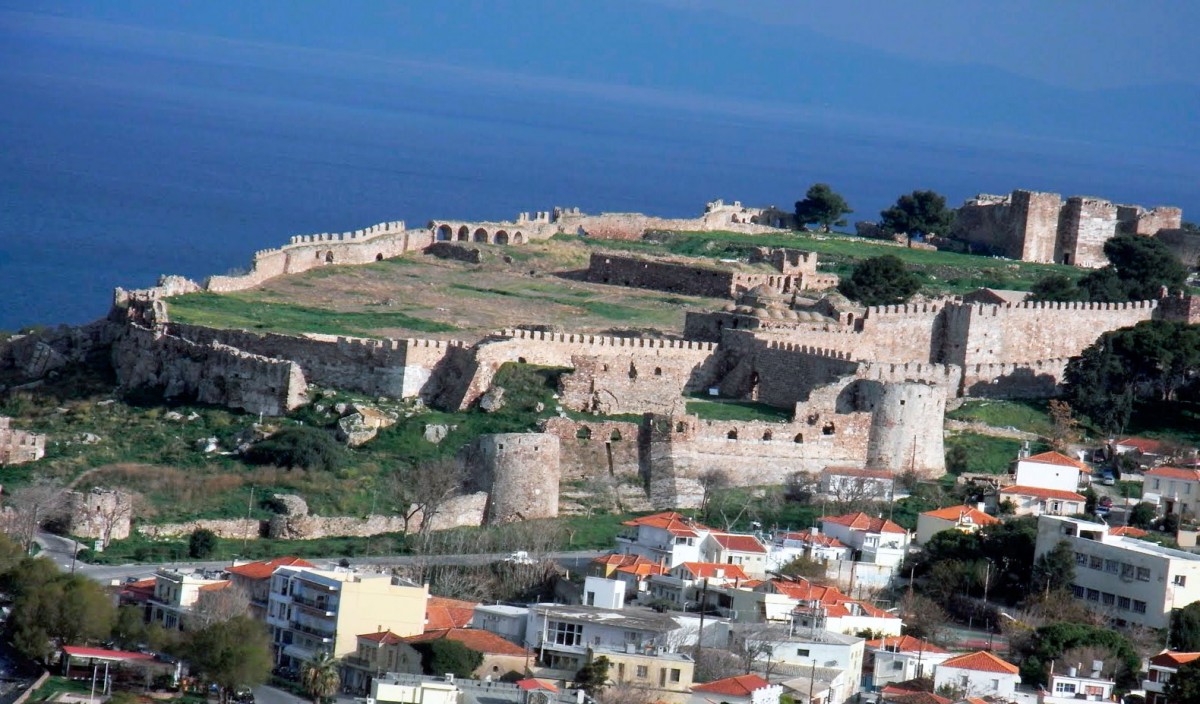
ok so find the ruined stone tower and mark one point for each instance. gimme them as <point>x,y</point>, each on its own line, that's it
<point>520,472</point>
<point>906,427</point>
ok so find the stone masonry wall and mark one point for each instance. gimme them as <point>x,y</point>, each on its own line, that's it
<point>19,446</point>
<point>520,472</point>
<point>1136,220</point>
<point>590,449</point>
<point>212,373</point>
<point>675,277</point>
<point>1085,224</point>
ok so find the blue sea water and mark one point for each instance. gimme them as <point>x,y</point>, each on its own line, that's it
<point>121,164</point>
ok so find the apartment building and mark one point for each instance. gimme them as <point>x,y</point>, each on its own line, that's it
<point>811,544</point>
<point>1131,580</point>
<point>875,539</point>
<point>311,610</point>
<point>795,651</point>
<point>667,538</point>
<point>176,593</point>
<point>254,578</point>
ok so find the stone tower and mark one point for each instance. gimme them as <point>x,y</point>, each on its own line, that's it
<point>520,472</point>
<point>906,428</point>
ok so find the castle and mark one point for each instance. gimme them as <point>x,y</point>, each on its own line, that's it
<point>863,386</point>
<point>1041,227</point>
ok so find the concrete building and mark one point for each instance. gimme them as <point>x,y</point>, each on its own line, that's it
<point>665,538</point>
<point>508,622</point>
<point>564,637</point>
<point>743,689</point>
<point>795,651</point>
<point>176,592</point>
<point>874,539</point>
<point>901,659</point>
<point>978,674</point>
<point>1133,580</point>
<point>400,690</point>
<point>963,519</point>
<point>668,676</point>
<point>1035,501</point>
<point>254,578</point>
<point>1072,686</point>
<point>605,593</point>
<point>311,611</point>
<point>1178,489</point>
<point>1160,669</point>
<point>745,551</point>
<point>1050,470</point>
<point>683,585</point>
<point>811,544</point>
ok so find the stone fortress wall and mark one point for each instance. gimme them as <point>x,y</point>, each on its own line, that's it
<point>19,446</point>
<point>1041,227</point>
<point>797,271</point>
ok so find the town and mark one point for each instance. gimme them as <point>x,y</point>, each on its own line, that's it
<point>815,483</point>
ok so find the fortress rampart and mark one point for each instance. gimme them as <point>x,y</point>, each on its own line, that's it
<point>19,446</point>
<point>689,278</point>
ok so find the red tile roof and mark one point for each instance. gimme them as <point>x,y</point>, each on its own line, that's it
<point>1173,658</point>
<point>263,569</point>
<point>1128,532</point>
<point>918,698</point>
<point>79,651</point>
<point>740,686</point>
<point>859,472</point>
<point>382,637</point>
<point>863,522</point>
<point>1175,473</point>
<point>835,603</point>
<point>1057,458</point>
<point>806,536</point>
<point>955,513</point>
<point>1041,493</point>
<point>905,644</point>
<point>645,569</point>
<point>141,590</point>
<point>617,559</point>
<point>530,683</point>
<point>982,661</point>
<point>441,612</point>
<point>672,522</point>
<point>215,586</point>
<point>739,543</point>
<point>478,640</point>
<point>1146,446</point>
<point>718,570</point>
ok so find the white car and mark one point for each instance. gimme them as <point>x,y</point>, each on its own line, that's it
<point>520,557</point>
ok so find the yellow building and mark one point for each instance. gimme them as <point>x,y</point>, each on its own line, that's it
<point>311,611</point>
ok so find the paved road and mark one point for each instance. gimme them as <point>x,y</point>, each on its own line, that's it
<point>59,550</point>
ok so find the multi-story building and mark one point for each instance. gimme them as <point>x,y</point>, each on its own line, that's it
<point>564,636</point>
<point>1178,489</point>
<point>1050,470</point>
<point>795,651</point>
<point>745,551</point>
<point>1132,580</point>
<point>874,539</point>
<point>1161,669</point>
<point>901,659</point>
<point>176,592</point>
<point>811,544</point>
<point>665,538</point>
<point>977,674</point>
<point>311,611</point>
<point>682,586</point>
<point>1036,501</point>
<point>963,519</point>
<point>508,622</point>
<point>801,603</point>
<point>254,578</point>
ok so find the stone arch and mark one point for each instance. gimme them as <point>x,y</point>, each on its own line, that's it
<point>615,436</point>
<point>799,439</point>
<point>501,237</point>
<point>584,433</point>
<point>828,428</point>
<point>518,238</point>
<point>658,371</point>
<point>768,435</point>
<point>329,257</point>
<point>679,427</point>
<point>444,233</point>
<point>481,235</point>
<point>732,434</point>
<point>379,257</point>
<point>464,233</point>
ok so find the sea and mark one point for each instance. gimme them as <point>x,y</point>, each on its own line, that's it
<point>119,165</point>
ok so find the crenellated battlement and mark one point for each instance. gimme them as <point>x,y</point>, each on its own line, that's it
<point>906,309</point>
<point>909,370</point>
<point>383,228</point>
<point>996,308</point>
<point>606,341</point>
<point>809,350</point>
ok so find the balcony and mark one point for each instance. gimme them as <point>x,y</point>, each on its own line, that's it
<point>320,606</point>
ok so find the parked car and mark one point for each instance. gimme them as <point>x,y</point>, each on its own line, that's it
<point>1108,479</point>
<point>520,557</point>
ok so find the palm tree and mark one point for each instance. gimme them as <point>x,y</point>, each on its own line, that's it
<point>320,678</point>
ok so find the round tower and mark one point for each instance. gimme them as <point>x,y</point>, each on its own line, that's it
<point>523,469</point>
<point>906,428</point>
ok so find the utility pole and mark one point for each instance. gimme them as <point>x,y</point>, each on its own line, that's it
<point>700,630</point>
<point>987,575</point>
<point>249,508</point>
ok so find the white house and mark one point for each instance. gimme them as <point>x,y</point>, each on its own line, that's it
<point>978,674</point>
<point>683,584</point>
<point>563,636</point>
<point>1134,580</point>
<point>1178,489</point>
<point>794,651</point>
<point>877,540</point>
<point>606,593</point>
<point>902,658</point>
<point>1071,687</point>
<point>665,538</point>
<point>811,543</point>
<point>1161,668</point>
<point>508,622</point>
<point>963,519</point>
<point>743,689</point>
<point>1035,501</point>
<point>745,551</point>
<point>1050,470</point>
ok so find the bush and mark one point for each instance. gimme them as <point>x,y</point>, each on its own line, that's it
<point>202,543</point>
<point>308,448</point>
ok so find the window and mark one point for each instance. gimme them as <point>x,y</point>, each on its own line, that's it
<point>1143,574</point>
<point>1155,483</point>
<point>1126,571</point>
<point>643,671</point>
<point>675,674</point>
<point>1123,602</point>
<point>1064,687</point>
<point>1108,599</point>
<point>897,665</point>
<point>1093,595</point>
<point>1096,563</point>
<point>802,652</point>
<point>561,633</point>
<point>1139,607</point>
<point>1076,591</point>
<point>1112,566</point>
<point>995,685</point>
<point>1081,559</point>
<point>1179,581</point>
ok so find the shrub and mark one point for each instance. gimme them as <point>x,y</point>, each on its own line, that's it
<point>301,446</point>
<point>202,543</point>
